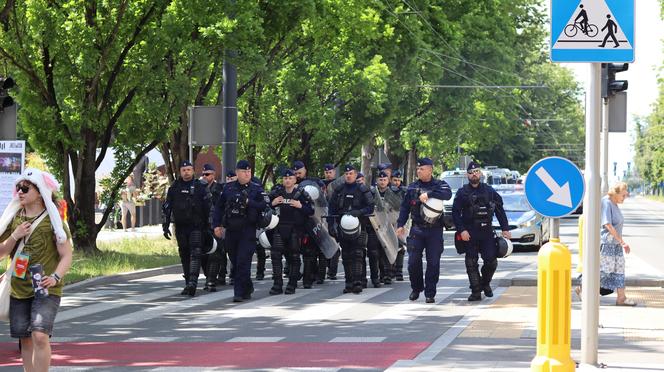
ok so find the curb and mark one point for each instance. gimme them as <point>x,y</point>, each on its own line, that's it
<point>123,277</point>
<point>531,282</point>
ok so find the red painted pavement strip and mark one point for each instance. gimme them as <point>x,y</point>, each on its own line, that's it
<point>224,354</point>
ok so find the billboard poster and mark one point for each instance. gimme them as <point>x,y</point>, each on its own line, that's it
<point>12,162</point>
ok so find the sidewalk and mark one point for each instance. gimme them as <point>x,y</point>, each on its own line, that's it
<point>151,231</point>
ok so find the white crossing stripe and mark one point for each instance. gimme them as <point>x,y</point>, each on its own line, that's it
<point>358,339</point>
<point>265,307</point>
<point>152,339</point>
<point>407,311</point>
<point>137,299</point>
<point>329,308</point>
<point>256,339</point>
<point>157,311</point>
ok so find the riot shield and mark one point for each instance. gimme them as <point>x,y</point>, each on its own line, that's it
<point>384,228</point>
<point>316,226</point>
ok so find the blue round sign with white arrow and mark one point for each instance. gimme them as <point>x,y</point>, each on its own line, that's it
<point>554,187</point>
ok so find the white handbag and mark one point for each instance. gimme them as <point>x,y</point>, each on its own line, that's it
<point>5,279</point>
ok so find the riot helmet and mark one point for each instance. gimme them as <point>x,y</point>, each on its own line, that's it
<point>431,210</point>
<point>350,226</point>
<point>264,241</point>
<point>504,246</point>
<point>210,245</point>
<point>460,244</point>
<point>312,191</point>
<point>268,220</point>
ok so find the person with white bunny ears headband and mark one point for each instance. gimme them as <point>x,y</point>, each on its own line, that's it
<point>48,243</point>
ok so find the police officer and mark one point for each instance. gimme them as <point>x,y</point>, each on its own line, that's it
<point>315,262</point>
<point>373,246</point>
<point>188,201</point>
<point>472,211</point>
<point>235,218</point>
<point>330,175</point>
<point>293,206</point>
<point>382,188</point>
<point>214,264</point>
<point>230,177</point>
<point>398,188</point>
<point>348,209</point>
<point>426,233</point>
<point>261,255</point>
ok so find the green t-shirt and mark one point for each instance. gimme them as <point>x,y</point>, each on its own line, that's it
<point>42,249</point>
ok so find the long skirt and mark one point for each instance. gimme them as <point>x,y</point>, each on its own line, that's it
<point>611,266</point>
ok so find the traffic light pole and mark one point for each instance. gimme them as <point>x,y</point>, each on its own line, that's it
<point>605,146</point>
<point>591,226</point>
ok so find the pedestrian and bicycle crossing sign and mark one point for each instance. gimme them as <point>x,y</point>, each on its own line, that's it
<point>554,187</point>
<point>592,30</point>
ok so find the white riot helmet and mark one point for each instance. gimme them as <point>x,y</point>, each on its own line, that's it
<point>312,191</point>
<point>273,222</point>
<point>350,226</point>
<point>264,241</point>
<point>504,246</point>
<point>210,242</point>
<point>432,210</point>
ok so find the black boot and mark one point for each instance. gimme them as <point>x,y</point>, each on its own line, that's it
<point>474,279</point>
<point>194,268</point>
<point>488,269</point>
<point>310,271</point>
<point>277,274</point>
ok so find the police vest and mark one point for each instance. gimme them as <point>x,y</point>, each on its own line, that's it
<point>480,205</point>
<point>186,206</point>
<point>289,215</point>
<point>351,199</point>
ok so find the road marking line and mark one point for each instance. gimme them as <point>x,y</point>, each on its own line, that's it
<point>139,298</point>
<point>152,339</point>
<point>329,308</point>
<point>256,339</point>
<point>407,311</point>
<point>358,339</point>
<point>265,307</point>
<point>446,338</point>
<point>157,311</point>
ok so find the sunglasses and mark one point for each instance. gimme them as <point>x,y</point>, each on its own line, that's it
<point>23,188</point>
<point>474,171</point>
<point>207,174</point>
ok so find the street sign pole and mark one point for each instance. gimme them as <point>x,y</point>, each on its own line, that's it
<point>591,226</point>
<point>605,146</point>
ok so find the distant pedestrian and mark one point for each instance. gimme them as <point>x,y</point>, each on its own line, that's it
<point>612,245</point>
<point>129,194</point>
<point>32,232</point>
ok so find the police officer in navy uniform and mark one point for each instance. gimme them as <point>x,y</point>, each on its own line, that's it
<point>330,175</point>
<point>426,234</point>
<point>315,263</point>
<point>293,207</point>
<point>188,201</point>
<point>374,248</point>
<point>214,264</point>
<point>398,188</point>
<point>235,218</point>
<point>472,211</point>
<point>261,255</point>
<point>349,207</point>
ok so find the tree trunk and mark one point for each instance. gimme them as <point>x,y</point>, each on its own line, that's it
<point>411,175</point>
<point>368,153</point>
<point>82,207</point>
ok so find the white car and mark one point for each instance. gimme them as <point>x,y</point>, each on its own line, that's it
<point>528,227</point>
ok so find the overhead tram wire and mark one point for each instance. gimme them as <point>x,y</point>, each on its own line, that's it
<point>508,94</point>
<point>446,43</point>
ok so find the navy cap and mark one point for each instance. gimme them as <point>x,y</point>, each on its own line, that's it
<point>243,164</point>
<point>287,173</point>
<point>360,175</point>
<point>208,168</point>
<point>186,163</point>
<point>230,174</point>
<point>349,167</point>
<point>382,175</point>
<point>424,161</point>
<point>328,166</point>
<point>472,166</point>
<point>298,165</point>
<point>396,174</point>
<point>383,166</point>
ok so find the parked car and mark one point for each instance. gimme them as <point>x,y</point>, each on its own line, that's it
<point>456,179</point>
<point>528,228</point>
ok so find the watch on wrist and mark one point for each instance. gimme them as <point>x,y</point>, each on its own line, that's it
<point>56,277</point>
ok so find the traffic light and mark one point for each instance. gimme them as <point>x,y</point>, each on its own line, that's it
<point>6,83</point>
<point>610,85</point>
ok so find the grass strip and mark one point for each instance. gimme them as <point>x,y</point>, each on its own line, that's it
<point>119,257</point>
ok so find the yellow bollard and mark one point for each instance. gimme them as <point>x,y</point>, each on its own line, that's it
<point>554,306</point>
<point>579,267</point>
